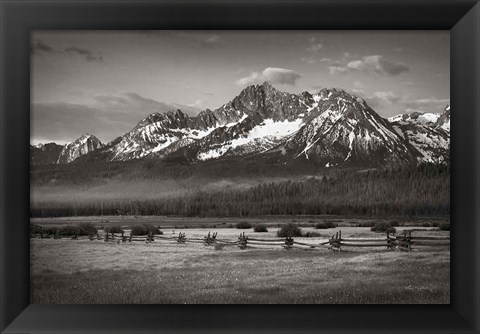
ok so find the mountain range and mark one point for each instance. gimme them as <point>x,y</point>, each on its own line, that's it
<point>329,128</point>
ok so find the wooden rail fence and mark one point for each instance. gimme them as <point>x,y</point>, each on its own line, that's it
<point>404,241</point>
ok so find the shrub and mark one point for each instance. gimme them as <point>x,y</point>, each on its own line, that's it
<point>137,230</point>
<point>444,227</point>
<point>87,229</point>
<point>289,230</point>
<point>321,226</point>
<point>394,223</point>
<point>50,230</point>
<point>149,227</point>
<point>69,230</point>
<point>114,229</point>
<point>243,225</point>
<point>331,224</point>
<point>145,229</point>
<point>311,234</point>
<point>366,224</point>
<point>325,225</point>
<point>260,228</point>
<point>35,229</point>
<point>383,227</point>
<point>425,224</point>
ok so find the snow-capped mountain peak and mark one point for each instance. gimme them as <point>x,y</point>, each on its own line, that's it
<point>81,146</point>
<point>331,128</point>
<point>429,133</point>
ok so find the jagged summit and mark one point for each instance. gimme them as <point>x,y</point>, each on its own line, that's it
<point>429,133</point>
<point>45,154</point>
<point>81,146</point>
<point>331,128</point>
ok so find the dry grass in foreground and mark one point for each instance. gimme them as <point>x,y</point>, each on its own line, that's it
<point>88,272</point>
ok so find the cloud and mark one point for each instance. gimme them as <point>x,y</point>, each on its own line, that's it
<point>272,74</point>
<point>358,91</point>
<point>387,97</point>
<point>309,60</point>
<point>375,64</point>
<point>337,69</point>
<point>212,39</point>
<point>428,104</point>
<point>316,47</point>
<point>382,99</point>
<point>358,84</point>
<point>313,60</point>
<point>39,47</point>
<point>88,55</point>
<point>196,104</point>
<point>137,106</point>
<point>209,41</point>
<point>107,117</point>
<point>431,100</point>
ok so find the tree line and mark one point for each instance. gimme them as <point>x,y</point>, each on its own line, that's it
<point>404,191</point>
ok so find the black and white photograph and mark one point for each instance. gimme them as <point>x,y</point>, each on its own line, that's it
<point>240,167</point>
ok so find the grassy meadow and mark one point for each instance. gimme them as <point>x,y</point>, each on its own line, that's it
<point>213,197</point>
<point>84,271</point>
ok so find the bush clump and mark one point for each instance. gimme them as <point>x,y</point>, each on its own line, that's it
<point>69,230</point>
<point>51,230</point>
<point>444,227</point>
<point>321,226</point>
<point>366,224</point>
<point>114,229</point>
<point>145,229</point>
<point>87,229</point>
<point>383,227</point>
<point>35,229</point>
<point>260,228</point>
<point>325,225</point>
<point>289,230</point>
<point>243,225</point>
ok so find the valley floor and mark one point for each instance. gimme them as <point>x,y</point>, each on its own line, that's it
<point>90,272</point>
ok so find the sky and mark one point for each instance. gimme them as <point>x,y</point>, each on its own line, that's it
<point>105,82</point>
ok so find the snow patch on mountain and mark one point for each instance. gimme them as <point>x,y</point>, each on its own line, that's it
<point>266,133</point>
<point>83,145</point>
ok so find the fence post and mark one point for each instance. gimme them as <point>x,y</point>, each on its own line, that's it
<point>389,242</point>
<point>288,242</point>
<point>181,238</point>
<point>336,241</point>
<point>242,241</point>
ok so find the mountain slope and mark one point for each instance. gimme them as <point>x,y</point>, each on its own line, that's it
<point>429,133</point>
<point>329,128</point>
<point>82,146</point>
<point>45,154</point>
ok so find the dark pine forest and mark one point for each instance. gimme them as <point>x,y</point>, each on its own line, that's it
<point>408,191</point>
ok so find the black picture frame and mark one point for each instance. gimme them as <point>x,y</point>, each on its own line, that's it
<point>18,18</point>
